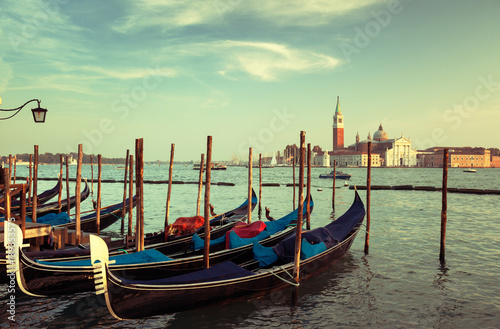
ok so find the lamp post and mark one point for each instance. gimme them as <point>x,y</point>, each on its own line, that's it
<point>38,112</point>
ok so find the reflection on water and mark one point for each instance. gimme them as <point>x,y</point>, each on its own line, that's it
<point>395,286</point>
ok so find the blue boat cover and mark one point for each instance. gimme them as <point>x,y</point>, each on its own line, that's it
<point>235,241</point>
<point>317,240</point>
<point>141,257</point>
<point>272,227</point>
<point>264,255</point>
<point>222,271</point>
<point>199,243</point>
<point>50,219</point>
<point>308,250</point>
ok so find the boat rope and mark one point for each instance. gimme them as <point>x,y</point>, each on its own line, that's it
<point>283,279</point>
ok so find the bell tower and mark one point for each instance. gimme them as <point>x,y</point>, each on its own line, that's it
<point>338,128</point>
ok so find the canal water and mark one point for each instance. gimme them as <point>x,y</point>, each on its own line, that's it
<point>400,284</point>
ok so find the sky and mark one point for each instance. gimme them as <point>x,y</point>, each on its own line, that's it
<point>248,73</point>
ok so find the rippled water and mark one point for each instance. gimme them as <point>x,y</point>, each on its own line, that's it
<point>400,284</point>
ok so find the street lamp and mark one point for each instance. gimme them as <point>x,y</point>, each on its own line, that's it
<point>38,112</point>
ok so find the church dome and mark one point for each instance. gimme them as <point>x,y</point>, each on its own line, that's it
<point>380,134</point>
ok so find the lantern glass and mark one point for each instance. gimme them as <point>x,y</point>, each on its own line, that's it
<point>39,114</point>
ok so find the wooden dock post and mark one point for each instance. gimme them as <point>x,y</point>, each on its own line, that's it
<point>444,206</point>
<point>124,212</point>
<point>293,166</point>
<point>139,178</point>
<point>30,182</point>
<point>7,199</point>
<point>260,184</point>
<point>98,208</point>
<point>23,210</point>
<point>206,251</point>
<point>308,193</point>
<point>334,177</point>
<point>59,197</point>
<point>368,188</point>
<point>78,193</point>
<point>249,216</point>
<point>35,183</point>
<point>130,196</point>
<point>169,183</point>
<point>68,206</point>
<point>10,167</point>
<point>15,167</point>
<point>92,178</point>
<point>298,235</point>
<point>200,185</point>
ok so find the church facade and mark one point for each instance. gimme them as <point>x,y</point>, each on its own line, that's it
<point>385,152</point>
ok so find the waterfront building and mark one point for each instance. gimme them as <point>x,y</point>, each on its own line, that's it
<point>395,152</point>
<point>459,157</point>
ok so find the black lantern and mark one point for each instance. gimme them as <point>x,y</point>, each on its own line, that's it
<point>39,114</point>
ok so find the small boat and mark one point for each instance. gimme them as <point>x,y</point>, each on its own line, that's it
<point>470,170</point>
<point>215,166</point>
<point>127,298</point>
<point>338,175</point>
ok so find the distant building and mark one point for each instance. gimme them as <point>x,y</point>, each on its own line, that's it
<point>395,152</point>
<point>459,157</point>
<point>338,128</point>
<point>495,161</point>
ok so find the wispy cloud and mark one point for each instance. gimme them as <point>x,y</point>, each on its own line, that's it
<point>261,60</point>
<point>173,14</point>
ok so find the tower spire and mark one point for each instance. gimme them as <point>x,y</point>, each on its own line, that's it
<point>338,128</point>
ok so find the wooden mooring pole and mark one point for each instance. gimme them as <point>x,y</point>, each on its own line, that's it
<point>30,182</point>
<point>68,205</point>
<point>368,188</point>
<point>35,185</point>
<point>260,184</point>
<point>206,250</point>
<point>167,213</point>
<point>308,193</point>
<point>15,166</point>
<point>10,168</point>
<point>250,160</point>
<point>334,177</point>
<point>92,178</point>
<point>298,235</point>
<point>77,194</point>
<point>293,174</point>
<point>444,206</point>
<point>139,178</point>
<point>124,211</point>
<point>130,197</point>
<point>59,197</point>
<point>200,185</point>
<point>98,208</point>
<point>7,199</point>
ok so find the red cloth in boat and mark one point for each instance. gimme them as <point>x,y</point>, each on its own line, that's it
<point>246,231</point>
<point>185,225</point>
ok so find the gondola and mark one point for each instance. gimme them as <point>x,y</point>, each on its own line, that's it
<point>53,207</point>
<point>127,298</point>
<point>88,223</point>
<point>43,197</point>
<point>220,224</point>
<point>43,278</point>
